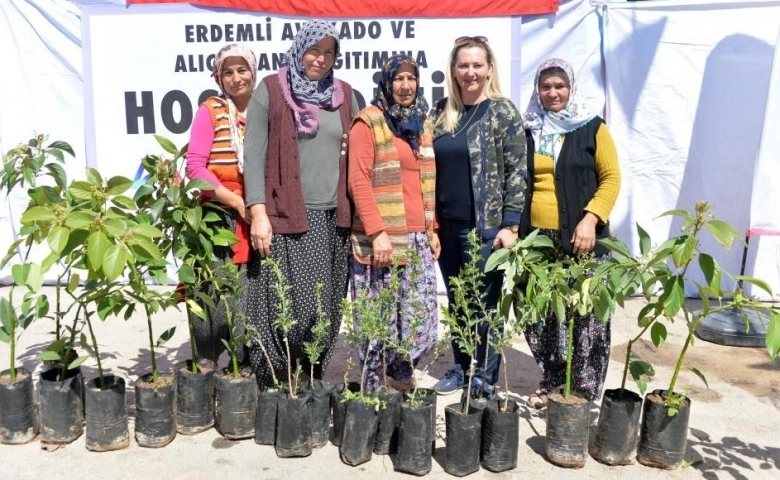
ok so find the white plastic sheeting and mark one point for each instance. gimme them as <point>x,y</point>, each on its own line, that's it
<point>687,90</point>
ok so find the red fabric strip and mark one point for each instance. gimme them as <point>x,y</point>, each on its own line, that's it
<point>380,8</point>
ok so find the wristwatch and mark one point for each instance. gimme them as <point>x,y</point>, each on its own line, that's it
<point>513,228</point>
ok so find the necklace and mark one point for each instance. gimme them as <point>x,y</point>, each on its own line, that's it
<point>473,112</point>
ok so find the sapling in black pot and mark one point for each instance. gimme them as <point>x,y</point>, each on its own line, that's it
<point>267,400</point>
<point>293,433</point>
<point>366,321</point>
<point>664,429</point>
<point>463,422</point>
<point>235,402</point>
<point>319,390</point>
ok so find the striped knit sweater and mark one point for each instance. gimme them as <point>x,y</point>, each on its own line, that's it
<point>388,190</point>
<point>223,161</point>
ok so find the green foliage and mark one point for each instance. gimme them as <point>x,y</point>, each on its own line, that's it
<point>316,347</point>
<point>284,321</point>
<point>659,274</point>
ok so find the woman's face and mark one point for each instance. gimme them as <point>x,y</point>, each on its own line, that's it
<point>404,85</point>
<point>554,93</point>
<point>471,71</point>
<point>319,58</point>
<point>236,77</point>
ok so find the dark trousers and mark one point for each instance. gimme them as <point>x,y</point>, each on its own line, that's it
<point>453,235</point>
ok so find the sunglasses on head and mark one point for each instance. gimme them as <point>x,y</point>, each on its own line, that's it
<point>466,39</point>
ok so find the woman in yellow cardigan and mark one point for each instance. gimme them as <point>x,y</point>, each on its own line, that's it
<point>575,180</point>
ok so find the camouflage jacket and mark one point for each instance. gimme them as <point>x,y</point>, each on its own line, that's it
<point>499,172</point>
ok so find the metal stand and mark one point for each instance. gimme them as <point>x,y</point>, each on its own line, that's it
<point>746,328</point>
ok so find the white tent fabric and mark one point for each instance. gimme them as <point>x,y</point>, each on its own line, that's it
<point>686,92</point>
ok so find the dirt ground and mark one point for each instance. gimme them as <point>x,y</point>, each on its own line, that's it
<point>734,429</point>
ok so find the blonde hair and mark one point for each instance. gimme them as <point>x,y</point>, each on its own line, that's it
<point>453,109</point>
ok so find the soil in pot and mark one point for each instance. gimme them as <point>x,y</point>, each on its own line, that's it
<point>357,440</point>
<point>265,418</point>
<point>194,397</point>
<point>19,422</point>
<point>663,438</point>
<point>414,440</point>
<point>320,412</point>
<point>339,410</point>
<point>426,396</point>
<point>464,436</point>
<point>568,420</point>
<point>106,415</point>
<point>500,435</point>
<point>155,410</point>
<point>618,428</point>
<point>293,426</point>
<point>235,404</point>
<point>388,421</point>
<point>61,400</point>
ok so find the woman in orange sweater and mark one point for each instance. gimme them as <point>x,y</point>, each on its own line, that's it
<point>392,177</point>
<point>575,180</point>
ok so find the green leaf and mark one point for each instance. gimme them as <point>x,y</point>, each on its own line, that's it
<point>773,335</point>
<point>658,334</point>
<point>497,258</point>
<point>674,295</point>
<point>711,270</point>
<point>34,277</point>
<point>755,281</point>
<point>675,213</point>
<point>73,283</point>
<point>559,307</point>
<point>115,227</point>
<point>146,230</point>
<point>37,214</point>
<point>81,190</point>
<point>193,307</point>
<point>193,218</point>
<point>615,245</point>
<point>58,239</point>
<point>64,146</point>
<point>125,202</point>
<point>166,144</point>
<point>20,272</point>
<point>166,335</point>
<point>682,252</point>
<point>58,174</point>
<point>79,219</point>
<point>7,314</point>
<point>49,356</point>
<point>114,262</point>
<point>97,245</point>
<point>77,362</point>
<point>700,375</point>
<point>4,336</point>
<point>224,238</point>
<point>118,185</point>
<point>41,306</point>
<point>146,249</point>
<point>724,233</point>
<point>186,274</point>
<point>644,240</point>
<point>94,178</point>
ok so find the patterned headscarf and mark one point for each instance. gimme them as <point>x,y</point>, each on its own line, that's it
<point>305,97</point>
<point>403,121</point>
<point>543,122</point>
<point>236,133</point>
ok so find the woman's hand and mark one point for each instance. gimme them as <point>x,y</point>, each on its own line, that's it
<point>435,246</point>
<point>505,238</point>
<point>260,231</point>
<point>237,204</point>
<point>584,238</point>
<point>383,250</point>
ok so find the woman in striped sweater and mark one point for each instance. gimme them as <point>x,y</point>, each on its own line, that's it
<point>215,154</point>
<point>392,177</point>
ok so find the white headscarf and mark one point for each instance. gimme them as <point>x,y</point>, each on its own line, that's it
<point>547,126</point>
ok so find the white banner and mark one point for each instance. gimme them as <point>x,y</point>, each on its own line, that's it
<point>686,96</point>
<point>147,68</point>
